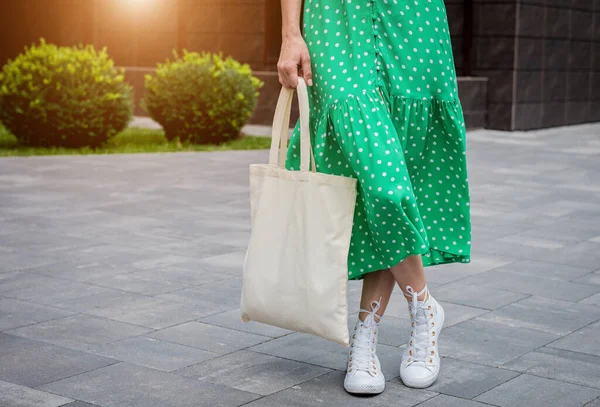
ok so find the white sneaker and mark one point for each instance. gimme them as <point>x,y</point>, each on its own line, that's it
<point>363,375</point>
<point>420,365</point>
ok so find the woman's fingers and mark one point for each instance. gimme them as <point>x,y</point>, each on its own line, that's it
<point>288,73</point>
<point>294,55</point>
<point>306,70</point>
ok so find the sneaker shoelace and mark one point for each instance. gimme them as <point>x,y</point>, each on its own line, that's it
<point>421,329</point>
<point>362,354</point>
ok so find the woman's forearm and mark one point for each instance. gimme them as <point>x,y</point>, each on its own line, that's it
<point>294,52</point>
<point>290,16</point>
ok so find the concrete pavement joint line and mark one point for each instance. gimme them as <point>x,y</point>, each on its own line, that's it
<point>81,314</point>
<point>287,388</point>
<point>49,275</point>
<point>75,375</point>
<point>584,275</point>
<point>544,377</point>
<point>117,363</point>
<point>592,402</point>
<point>5,331</point>
<point>579,329</point>
<point>458,397</point>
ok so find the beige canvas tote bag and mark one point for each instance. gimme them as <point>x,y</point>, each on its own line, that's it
<point>295,272</point>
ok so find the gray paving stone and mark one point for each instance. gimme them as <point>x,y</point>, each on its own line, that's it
<point>136,309</point>
<point>208,337</point>
<point>536,391</point>
<point>566,230</point>
<point>457,313</point>
<point>521,249</point>
<point>54,291</point>
<point>41,241</point>
<point>211,298</point>
<point>328,390</point>
<point>584,340</point>
<point>97,303</point>
<point>16,313</point>
<point>531,285</point>
<point>79,331</point>
<point>232,320</point>
<point>545,270</point>
<point>153,353</point>
<point>559,364</point>
<point>183,275</point>
<point>543,314</point>
<point>533,242</point>
<point>103,253</point>
<point>134,386</point>
<point>79,404</point>
<point>476,296</point>
<point>592,300</point>
<point>161,260</point>
<point>311,349</point>
<point>236,238</point>
<point>308,349</point>
<point>18,280</point>
<point>13,395</point>
<point>590,278</point>
<point>33,363</point>
<point>467,380</point>
<point>137,226</point>
<point>448,273</point>
<point>443,400</point>
<point>593,403</point>
<point>15,261</point>
<point>139,284</point>
<point>394,331</point>
<point>81,271</point>
<point>254,372</point>
<point>233,262</point>
<point>489,343</point>
<point>583,254</point>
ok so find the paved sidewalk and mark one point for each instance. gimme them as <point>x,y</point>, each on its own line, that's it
<point>120,281</point>
<point>256,130</point>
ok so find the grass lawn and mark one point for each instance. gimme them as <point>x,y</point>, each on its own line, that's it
<point>131,140</point>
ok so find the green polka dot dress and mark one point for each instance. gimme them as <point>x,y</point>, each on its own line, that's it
<point>385,110</point>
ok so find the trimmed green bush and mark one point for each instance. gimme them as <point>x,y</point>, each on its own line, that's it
<point>201,97</point>
<point>64,96</point>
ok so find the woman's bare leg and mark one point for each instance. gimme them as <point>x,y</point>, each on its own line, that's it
<point>377,285</point>
<point>410,272</point>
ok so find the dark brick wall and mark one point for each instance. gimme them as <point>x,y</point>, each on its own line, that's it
<point>142,36</point>
<point>557,77</point>
<point>542,59</point>
<point>137,33</point>
<point>494,56</point>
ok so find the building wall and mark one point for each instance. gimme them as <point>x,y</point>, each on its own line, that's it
<point>145,35</point>
<point>542,58</point>
<point>557,78</point>
<point>23,22</point>
<point>139,33</point>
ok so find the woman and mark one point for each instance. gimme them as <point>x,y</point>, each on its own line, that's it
<point>385,110</point>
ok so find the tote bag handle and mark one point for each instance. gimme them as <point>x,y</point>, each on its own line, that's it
<point>281,122</point>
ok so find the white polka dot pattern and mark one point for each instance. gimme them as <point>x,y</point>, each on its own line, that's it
<point>385,110</point>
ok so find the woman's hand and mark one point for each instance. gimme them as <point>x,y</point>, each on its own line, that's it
<point>294,55</point>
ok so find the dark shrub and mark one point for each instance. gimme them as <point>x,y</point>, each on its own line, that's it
<point>201,97</point>
<point>64,96</point>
